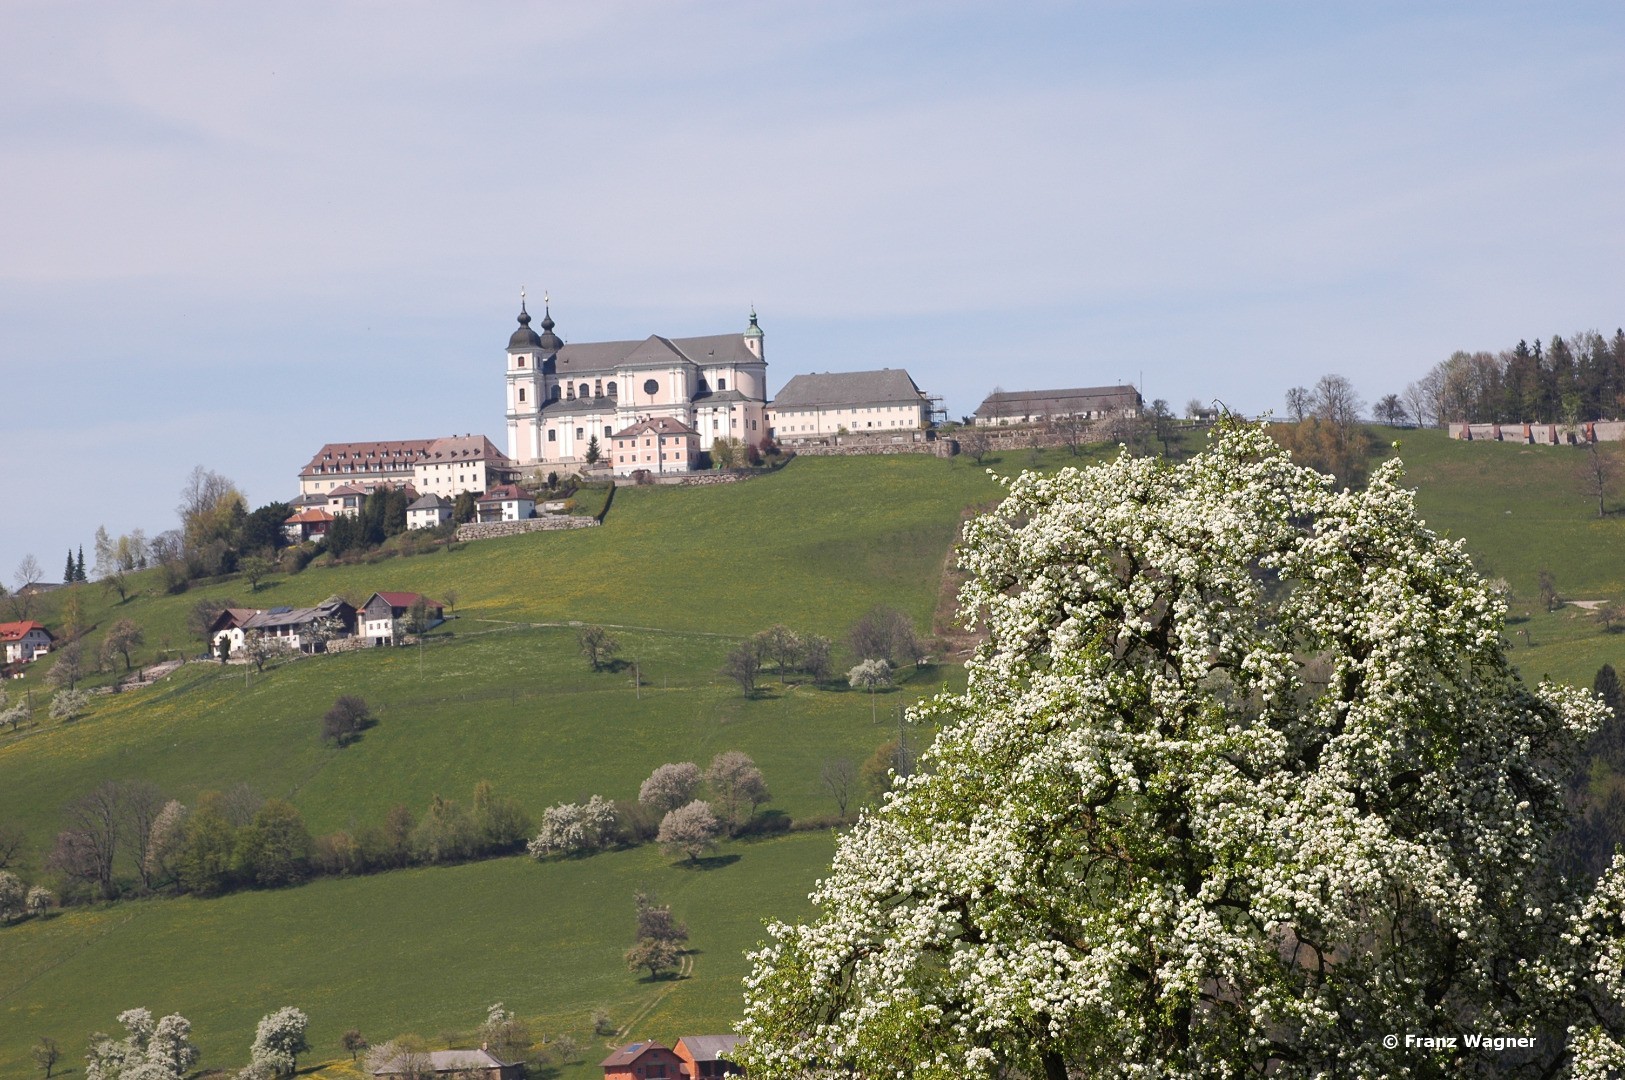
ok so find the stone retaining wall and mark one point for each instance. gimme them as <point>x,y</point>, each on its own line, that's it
<point>1542,434</point>
<point>485,530</point>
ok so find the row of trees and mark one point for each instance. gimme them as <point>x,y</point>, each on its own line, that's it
<point>667,810</point>
<point>883,634</point>
<point>1566,381</point>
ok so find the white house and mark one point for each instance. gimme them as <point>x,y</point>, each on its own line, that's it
<point>385,615</point>
<point>428,512</point>
<point>861,402</point>
<point>25,641</point>
<point>506,502</point>
<point>445,467</point>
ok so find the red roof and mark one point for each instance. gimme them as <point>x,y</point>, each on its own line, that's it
<point>631,1052</point>
<point>505,492</point>
<point>16,631</point>
<point>309,516</point>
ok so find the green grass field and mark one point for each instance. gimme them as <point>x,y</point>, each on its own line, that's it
<point>501,694</point>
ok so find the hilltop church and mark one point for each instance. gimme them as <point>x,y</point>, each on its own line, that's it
<point>562,396</point>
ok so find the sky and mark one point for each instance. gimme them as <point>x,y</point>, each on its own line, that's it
<point>230,233</point>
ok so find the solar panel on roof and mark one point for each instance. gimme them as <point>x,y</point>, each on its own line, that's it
<point>281,610</point>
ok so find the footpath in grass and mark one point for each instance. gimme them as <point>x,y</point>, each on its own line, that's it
<point>415,951</point>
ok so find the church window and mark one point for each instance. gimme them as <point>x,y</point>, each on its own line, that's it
<point>650,386</point>
<point>614,389</point>
<point>555,393</point>
<point>552,436</point>
<point>580,434</point>
<point>722,384</point>
<point>608,431</point>
<point>521,393</point>
<point>581,391</point>
<point>521,361</point>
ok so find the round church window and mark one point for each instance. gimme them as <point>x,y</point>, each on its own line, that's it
<point>650,386</point>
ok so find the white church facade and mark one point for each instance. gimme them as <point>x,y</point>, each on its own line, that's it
<point>560,397</point>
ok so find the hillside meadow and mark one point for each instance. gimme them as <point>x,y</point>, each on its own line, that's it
<point>500,693</point>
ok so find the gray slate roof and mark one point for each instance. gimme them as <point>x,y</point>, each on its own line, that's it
<point>710,1047</point>
<point>588,357</point>
<point>888,386</point>
<point>450,1061</point>
<point>1058,402</point>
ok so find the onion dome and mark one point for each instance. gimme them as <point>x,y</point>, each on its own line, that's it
<point>549,342</point>
<point>753,330</point>
<point>524,337</point>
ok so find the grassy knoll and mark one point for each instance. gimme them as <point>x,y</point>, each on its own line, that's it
<point>420,951</point>
<point>517,707</point>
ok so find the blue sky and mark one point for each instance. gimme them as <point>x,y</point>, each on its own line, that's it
<point>231,233</point>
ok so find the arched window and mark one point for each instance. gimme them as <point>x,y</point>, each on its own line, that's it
<point>722,384</point>
<point>581,391</point>
<point>555,392</point>
<point>614,389</point>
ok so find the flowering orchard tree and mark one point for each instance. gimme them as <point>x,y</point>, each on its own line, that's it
<point>1241,783</point>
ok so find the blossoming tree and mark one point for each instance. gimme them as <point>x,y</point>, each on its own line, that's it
<point>1241,783</point>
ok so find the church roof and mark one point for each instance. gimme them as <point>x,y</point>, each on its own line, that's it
<point>884,387</point>
<point>580,358</point>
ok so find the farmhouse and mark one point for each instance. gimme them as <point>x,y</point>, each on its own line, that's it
<point>643,1061</point>
<point>473,1064</point>
<point>25,641</point>
<point>658,445</point>
<point>561,397</point>
<point>304,629</point>
<point>310,523</point>
<point>386,615</point>
<point>1031,406</point>
<point>820,405</point>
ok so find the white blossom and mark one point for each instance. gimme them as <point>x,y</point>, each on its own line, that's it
<point>1242,781</point>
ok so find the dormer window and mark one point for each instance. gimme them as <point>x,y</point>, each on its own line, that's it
<point>722,384</point>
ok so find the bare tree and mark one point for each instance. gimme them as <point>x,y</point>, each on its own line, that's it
<point>1297,404</point>
<point>743,664</point>
<point>86,849</point>
<point>12,844</point>
<point>839,775</point>
<point>597,646</point>
<point>121,637</point>
<point>974,441</point>
<point>140,806</point>
<point>1597,474</point>
<point>1390,410</point>
<point>29,572</point>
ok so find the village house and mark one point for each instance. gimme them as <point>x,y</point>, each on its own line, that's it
<point>302,629</point>
<point>506,502</point>
<point>25,641</point>
<point>311,523</point>
<point>562,397</point>
<point>387,615</point>
<point>446,467</point>
<point>818,406</point>
<point>643,1061</point>
<point>658,445</point>
<point>430,511</point>
<point>1033,406</point>
<point>478,1064</point>
<point>705,1057</point>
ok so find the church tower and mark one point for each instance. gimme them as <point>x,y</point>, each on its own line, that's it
<point>529,356</point>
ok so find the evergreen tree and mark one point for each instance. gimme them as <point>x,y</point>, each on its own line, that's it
<point>67,574</point>
<point>79,570</point>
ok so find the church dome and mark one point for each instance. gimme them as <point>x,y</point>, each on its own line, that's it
<point>524,337</point>
<point>549,342</point>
